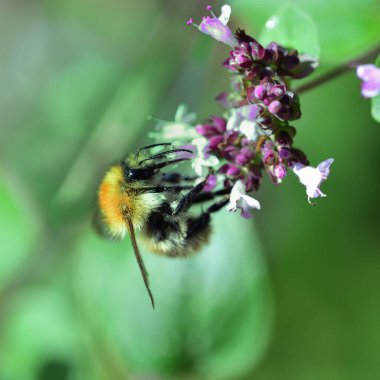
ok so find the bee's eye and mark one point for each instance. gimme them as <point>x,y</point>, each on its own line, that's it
<point>139,174</point>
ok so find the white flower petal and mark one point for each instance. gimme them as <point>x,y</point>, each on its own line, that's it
<point>239,199</point>
<point>225,15</point>
<point>249,129</point>
<point>313,177</point>
<point>324,167</point>
<point>251,202</point>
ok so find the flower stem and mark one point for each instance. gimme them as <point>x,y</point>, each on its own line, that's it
<point>339,70</point>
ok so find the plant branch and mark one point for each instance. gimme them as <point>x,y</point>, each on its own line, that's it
<point>339,70</point>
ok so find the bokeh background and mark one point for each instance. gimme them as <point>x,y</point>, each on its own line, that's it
<point>293,295</point>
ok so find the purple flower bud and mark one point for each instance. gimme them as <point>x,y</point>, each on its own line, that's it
<point>290,62</point>
<point>243,60</point>
<point>284,153</point>
<point>215,141</point>
<point>274,107</point>
<point>252,72</point>
<point>260,92</point>
<point>299,156</point>
<point>230,152</point>
<point>223,100</point>
<point>242,160</point>
<point>206,130</point>
<point>280,171</point>
<point>257,51</point>
<point>211,182</point>
<point>370,76</point>
<point>269,157</point>
<point>233,170</point>
<point>247,152</point>
<point>277,90</point>
<point>266,72</point>
<point>220,123</point>
<point>250,94</point>
<point>283,138</point>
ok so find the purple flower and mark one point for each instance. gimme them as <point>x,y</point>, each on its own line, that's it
<point>280,171</point>
<point>239,199</point>
<point>370,75</point>
<point>211,183</point>
<point>217,27</point>
<point>313,177</point>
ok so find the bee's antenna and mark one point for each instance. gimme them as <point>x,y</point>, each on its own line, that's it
<point>139,259</point>
<point>154,145</point>
<point>164,154</point>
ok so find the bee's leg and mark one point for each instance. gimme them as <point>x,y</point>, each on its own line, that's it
<point>217,205</point>
<point>200,225</point>
<point>204,197</point>
<point>175,177</point>
<point>164,189</point>
<point>187,200</point>
<point>196,196</point>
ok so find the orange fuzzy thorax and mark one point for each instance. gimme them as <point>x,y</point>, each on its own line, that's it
<point>112,201</point>
<point>119,199</point>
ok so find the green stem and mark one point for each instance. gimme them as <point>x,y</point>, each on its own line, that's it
<point>339,70</point>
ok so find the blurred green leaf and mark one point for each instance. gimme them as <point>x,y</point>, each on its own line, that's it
<point>346,29</point>
<point>375,102</point>
<point>17,231</point>
<point>292,28</point>
<point>213,311</point>
<point>39,336</point>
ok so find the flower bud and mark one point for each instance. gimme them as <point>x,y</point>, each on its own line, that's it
<point>274,107</point>
<point>280,171</point>
<point>284,153</point>
<point>232,170</point>
<point>259,92</point>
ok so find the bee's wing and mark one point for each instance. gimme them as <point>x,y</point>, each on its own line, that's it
<point>139,259</point>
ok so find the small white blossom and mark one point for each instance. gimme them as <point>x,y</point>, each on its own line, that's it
<point>239,199</point>
<point>202,159</point>
<point>313,177</point>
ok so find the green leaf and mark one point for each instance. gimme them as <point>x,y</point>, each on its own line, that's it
<point>213,310</point>
<point>375,102</point>
<point>18,227</point>
<point>292,28</point>
<point>39,337</point>
<point>345,29</point>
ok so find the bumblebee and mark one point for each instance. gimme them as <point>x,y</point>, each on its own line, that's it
<point>136,195</point>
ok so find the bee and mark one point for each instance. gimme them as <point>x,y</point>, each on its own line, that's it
<point>136,195</point>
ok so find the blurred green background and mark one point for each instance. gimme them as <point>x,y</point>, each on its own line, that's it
<point>294,296</point>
